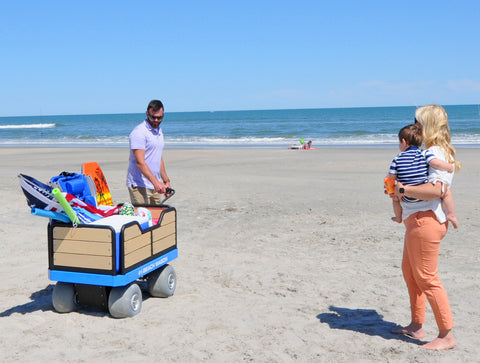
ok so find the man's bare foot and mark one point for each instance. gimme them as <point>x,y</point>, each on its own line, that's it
<point>397,219</point>
<point>413,330</point>
<point>453,219</point>
<point>443,342</point>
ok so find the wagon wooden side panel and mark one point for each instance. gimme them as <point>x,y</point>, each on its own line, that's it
<point>104,249</point>
<point>86,248</point>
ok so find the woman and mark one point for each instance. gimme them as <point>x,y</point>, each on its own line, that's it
<point>426,225</point>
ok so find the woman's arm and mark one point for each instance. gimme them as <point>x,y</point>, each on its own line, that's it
<point>426,191</point>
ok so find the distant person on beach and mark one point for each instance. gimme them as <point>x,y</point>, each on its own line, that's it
<point>411,168</point>
<point>426,225</point>
<point>302,146</point>
<point>147,179</point>
<point>307,146</point>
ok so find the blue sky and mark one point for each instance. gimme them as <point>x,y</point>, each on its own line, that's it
<point>86,57</point>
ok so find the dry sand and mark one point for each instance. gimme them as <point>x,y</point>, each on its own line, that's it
<point>283,255</point>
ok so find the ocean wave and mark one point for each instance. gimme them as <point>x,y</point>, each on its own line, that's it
<point>374,140</point>
<point>28,126</point>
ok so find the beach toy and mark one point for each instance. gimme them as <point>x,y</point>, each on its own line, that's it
<point>38,194</point>
<point>75,184</point>
<point>102,191</point>
<point>85,216</point>
<point>389,184</point>
<point>127,209</point>
<point>52,215</point>
<point>66,207</point>
<point>145,213</point>
<point>88,213</point>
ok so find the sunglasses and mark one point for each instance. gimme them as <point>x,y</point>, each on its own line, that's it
<point>155,118</point>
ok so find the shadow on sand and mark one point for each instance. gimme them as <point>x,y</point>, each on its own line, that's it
<point>364,321</point>
<point>41,301</point>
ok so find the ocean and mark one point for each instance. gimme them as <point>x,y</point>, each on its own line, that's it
<point>327,127</point>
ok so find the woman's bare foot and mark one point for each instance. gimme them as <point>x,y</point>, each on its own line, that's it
<point>444,341</point>
<point>413,330</point>
<point>397,219</point>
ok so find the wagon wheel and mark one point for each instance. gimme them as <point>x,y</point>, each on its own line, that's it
<point>63,297</point>
<point>125,301</point>
<point>162,282</point>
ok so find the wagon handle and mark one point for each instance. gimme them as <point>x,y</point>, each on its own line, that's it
<point>170,192</point>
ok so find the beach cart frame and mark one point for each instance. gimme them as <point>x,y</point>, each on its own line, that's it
<point>100,264</point>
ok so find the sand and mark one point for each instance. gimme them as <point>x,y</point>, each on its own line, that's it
<point>283,256</point>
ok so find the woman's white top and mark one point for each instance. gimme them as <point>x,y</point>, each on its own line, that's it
<point>434,176</point>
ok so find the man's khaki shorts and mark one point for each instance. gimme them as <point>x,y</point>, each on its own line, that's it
<point>141,195</point>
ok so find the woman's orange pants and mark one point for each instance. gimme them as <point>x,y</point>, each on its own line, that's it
<point>420,257</point>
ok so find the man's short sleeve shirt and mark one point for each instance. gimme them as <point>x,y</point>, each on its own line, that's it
<point>151,140</point>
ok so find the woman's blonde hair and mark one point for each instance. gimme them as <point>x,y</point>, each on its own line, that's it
<point>436,131</point>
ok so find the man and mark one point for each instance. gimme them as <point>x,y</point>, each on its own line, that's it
<point>147,179</point>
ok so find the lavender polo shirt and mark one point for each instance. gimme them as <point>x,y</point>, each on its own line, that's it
<point>151,140</point>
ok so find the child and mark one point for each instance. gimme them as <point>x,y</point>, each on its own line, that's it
<point>411,168</point>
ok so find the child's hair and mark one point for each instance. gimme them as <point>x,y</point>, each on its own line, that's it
<point>412,134</point>
<point>436,131</point>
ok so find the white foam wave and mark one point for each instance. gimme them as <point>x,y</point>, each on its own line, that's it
<point>27,126</point>
<point>389,140</point>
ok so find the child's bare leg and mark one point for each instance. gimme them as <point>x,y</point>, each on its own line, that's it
<point>449,206</point>
<point>397,209</point>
